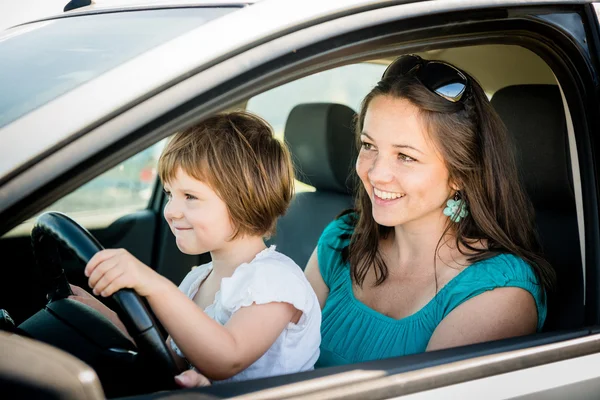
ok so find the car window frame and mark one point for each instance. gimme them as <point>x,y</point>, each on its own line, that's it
<point>237,87</point>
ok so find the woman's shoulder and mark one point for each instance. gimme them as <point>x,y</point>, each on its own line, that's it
<point>499,271</point>
<point>341,227</point>
<point>503,268</point>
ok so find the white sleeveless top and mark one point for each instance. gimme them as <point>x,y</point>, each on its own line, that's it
<point>270,276</point>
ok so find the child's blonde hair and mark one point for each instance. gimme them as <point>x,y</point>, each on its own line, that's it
<point>237,155</point>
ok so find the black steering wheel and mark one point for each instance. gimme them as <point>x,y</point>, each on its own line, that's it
<point>53,229</point>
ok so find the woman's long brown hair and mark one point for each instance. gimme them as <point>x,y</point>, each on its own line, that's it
<point>479,156</point>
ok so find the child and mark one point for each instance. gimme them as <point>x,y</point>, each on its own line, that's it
<point>249,313</point>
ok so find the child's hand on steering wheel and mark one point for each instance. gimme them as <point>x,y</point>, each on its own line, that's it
<point>114,269</point>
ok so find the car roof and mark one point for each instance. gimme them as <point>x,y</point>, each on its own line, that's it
<point>143,3</point>
<point>105,6</point>
<point>111,5</point>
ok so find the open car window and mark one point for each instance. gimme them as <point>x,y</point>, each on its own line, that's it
<point>120,191</point>
<point>346,85</point>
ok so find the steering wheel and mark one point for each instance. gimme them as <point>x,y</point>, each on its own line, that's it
<point>53,229</point>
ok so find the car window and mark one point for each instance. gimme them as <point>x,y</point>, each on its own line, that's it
<point>124,189</point>
<point>43,60</point>
<point>346,85</point>
<point>128,186</point>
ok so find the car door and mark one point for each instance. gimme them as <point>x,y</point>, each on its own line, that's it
<point>564,34</point>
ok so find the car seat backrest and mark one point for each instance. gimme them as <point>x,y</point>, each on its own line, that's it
<point>321,140</point>
<point>535,118</point>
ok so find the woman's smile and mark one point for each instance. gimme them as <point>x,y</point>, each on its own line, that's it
<point>381,197</point>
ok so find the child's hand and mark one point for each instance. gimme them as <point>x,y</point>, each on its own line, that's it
<point>114,269</point>
<point>191,379</point>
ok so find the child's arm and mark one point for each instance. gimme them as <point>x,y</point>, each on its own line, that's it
<point>220,351</point>
<point>179,361</point>
<point>217,351</point>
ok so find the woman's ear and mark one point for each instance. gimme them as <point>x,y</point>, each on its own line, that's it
<point>455,186</point>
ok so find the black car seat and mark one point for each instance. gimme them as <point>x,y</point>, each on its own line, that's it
<point>535,117</point>
<point>321,140</point>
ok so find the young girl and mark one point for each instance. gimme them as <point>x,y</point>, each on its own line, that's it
<point>249,313</point>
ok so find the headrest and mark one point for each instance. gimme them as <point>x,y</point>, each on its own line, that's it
<point>321,140</point>
<point>535,117</point>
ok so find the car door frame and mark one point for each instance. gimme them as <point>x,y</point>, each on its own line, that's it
<point>298,54</point>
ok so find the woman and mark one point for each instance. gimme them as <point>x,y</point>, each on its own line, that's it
<point>441,250</point>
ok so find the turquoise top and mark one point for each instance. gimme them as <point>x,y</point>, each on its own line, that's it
<point>352,332</point>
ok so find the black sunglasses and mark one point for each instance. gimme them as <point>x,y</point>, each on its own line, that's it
<point>441,78</point>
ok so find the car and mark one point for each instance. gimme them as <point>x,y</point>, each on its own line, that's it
<point>89,97</point>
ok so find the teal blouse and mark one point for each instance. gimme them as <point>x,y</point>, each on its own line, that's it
<point>352,332</point>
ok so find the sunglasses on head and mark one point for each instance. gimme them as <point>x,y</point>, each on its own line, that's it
<point>440,78</point>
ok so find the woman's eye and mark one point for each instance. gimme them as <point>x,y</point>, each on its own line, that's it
<point>366,146</point>
<point>168,194</point>
<point>405,158</point>
<point>190,197</point>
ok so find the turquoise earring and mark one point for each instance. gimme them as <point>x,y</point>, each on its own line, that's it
<point>456,208</point>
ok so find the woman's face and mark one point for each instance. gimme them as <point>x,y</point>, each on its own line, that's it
<point>399,166</point>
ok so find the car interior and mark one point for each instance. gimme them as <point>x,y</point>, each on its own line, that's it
<point>319,130</point>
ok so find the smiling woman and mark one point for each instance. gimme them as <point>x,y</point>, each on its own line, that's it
<point>398,158</point>
<point>441,246</point>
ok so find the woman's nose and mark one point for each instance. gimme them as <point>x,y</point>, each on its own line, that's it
<point>381,170</point>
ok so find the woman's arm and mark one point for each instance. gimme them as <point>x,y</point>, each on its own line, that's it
<point>497,314</point>
<point>313,274</point>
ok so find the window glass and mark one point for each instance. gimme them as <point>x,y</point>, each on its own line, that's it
<point>124,189</point>
<point>346,85</point>
<point>42,60</point>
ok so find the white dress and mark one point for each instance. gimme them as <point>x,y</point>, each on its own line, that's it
<point>269,277</point>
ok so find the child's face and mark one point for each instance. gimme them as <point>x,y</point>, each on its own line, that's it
<point>196,215</point>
